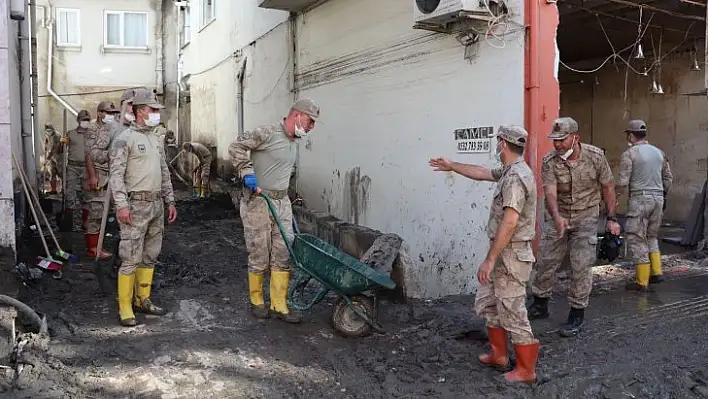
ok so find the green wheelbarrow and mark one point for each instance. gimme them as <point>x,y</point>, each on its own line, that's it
<point>356,283</point>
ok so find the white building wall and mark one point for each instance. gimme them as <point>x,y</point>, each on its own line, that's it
<point>212,60</point>
<point>91,73</point>
<point>390,98</point>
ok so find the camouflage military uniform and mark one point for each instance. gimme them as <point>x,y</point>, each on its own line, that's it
<point>97,147</point>
<point>140,180</point>
<point>264,242</point>
<point>75,172</point>
<point>579,194</point>
<point>645,171</point>
<point>52,153</point>
<point>503,303</point>
<point>201,172</point>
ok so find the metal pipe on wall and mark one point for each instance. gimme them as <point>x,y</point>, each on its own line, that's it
<point>50,62</point>
<point>23,70</point>
<point>37,138</point>
<point>239,96</point>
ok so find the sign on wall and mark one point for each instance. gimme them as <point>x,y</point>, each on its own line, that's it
<point>474,140</point>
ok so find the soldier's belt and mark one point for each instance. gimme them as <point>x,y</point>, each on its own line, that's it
<point>148,196</point>
<point>276,194</point>
<point>646,192</point>
<point>76,163</point>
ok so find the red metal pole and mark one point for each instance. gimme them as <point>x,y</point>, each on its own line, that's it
<point>542,92</point>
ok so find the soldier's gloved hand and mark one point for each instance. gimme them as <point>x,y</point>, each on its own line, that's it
<point>64,140</point>
<point>250,182</point>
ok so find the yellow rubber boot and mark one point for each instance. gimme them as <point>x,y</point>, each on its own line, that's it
<point>202,193</point>
<point>125,298</point>
<point>143,283</point>
<point>279,281</point>
<point>255,292</point>
<point>656,273</point>
<point>642,281</point>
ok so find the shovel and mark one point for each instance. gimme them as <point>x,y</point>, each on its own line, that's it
<point>47,263</point>
<point>34,201</point>
<point>63,219</point>
<point>103,280</point>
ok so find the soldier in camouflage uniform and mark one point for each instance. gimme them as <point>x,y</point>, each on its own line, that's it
<point>126,117</point>
<point>645,171</point>
<point>141,186</point>
<point>264,158</point>
<point>76,209</point>
<point>576,176</point>
<point>200,177</point>
<point>52,152</point>
<point>503,275</point>
<point>97,145</point>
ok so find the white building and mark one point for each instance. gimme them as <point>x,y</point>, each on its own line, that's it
<point>398,84</point>
<point>91,50</point>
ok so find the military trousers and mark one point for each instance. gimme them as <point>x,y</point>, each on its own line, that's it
<point>141,242</point>
<point>74,195</point>
<point>580,240</point>
<point>264,242</point>
<point>502,303</point>
<point>95,201</point>
<point>201,173</point>
<point>644,213</point>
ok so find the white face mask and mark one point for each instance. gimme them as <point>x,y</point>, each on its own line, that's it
<point>568,153</point>
<point>153,119</point>
<point>299,130</point>
<point>84,124</point>
<point>129,117</point>
<point>108,119</point>
<point>498,152</point>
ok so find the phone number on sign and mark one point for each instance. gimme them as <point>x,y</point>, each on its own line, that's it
<point>473,145</point>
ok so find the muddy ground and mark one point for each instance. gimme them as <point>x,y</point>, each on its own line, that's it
<point>209,346</point>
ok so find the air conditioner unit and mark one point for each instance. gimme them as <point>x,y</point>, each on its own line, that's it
<point>441,14</point>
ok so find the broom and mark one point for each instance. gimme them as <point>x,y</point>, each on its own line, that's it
<point>60,253</point>
<point>47,263</point>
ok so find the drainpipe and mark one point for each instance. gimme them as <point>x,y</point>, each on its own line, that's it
<point>239,96</point>
<point>542,92</point>
<point>23,49</point>
<point>50,62</point>
<point>37,138</point>
<point>159,68</point>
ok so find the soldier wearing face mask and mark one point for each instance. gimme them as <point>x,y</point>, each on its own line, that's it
<point>576,176</point>
<point>141,187</point>
<point>125,115</point>
<point>97,143</point>
<point>264,158</point>
<point>75,171</point>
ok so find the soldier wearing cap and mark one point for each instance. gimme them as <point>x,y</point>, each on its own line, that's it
<point>200,176</point>
<point>141,186</point>
<point>264,159</point>
<point>503,274</point>
<point>645,172</point>
<point>97,143</point>
<point>576,177</point>
<point>75,172</point>
<point>126,116</point>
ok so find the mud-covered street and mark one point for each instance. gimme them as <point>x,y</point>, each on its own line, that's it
<point>209,346</point>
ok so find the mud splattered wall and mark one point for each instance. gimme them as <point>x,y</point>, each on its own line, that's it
<point>391,98</point>
<point>90,67</point>
<point>678,124</point>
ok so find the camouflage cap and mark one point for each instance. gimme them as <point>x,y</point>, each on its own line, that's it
<point>513,134</point>
<point>146,97</point>
<point>636,125</point>
<point>127,95</point>
<point>106,106</point>
<point>307,106</point>
<point>562,127</point>
<point>83,115</point>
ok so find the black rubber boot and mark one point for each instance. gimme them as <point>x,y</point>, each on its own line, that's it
<point>260,311</point>
<point>575,321</point>
<point>538,309</point>
<point>656,279</point>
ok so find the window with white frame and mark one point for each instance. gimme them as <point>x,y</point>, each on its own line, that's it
<point>125,29</point>
<point>68,27</point>
<point>208,12</point>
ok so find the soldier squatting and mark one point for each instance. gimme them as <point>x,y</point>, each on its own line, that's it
<point>125,150</point>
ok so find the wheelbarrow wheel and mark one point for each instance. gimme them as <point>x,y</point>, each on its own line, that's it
<point>347,322</point>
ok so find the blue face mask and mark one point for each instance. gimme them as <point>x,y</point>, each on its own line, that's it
<point>498,152</point>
